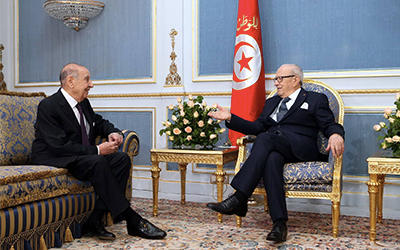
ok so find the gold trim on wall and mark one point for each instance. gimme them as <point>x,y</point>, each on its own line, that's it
<point>228,93</point>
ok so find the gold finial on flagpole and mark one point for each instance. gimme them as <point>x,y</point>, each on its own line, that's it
<point>173,78</point>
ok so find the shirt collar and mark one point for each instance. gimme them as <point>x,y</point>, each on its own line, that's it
<point>71,101</point>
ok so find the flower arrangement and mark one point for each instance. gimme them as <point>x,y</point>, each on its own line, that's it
<point>190,126</point>
<point>391,138</point>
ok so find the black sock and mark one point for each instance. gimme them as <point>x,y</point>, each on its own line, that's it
<point>241,197</point>
<point>132,218</point>
<point>96,215</point>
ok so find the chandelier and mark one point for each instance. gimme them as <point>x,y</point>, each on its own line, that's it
<point>75,14</point>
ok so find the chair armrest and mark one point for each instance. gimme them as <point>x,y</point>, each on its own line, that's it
<point>242,155</point>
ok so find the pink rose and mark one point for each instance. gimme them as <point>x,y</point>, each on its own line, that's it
<point>179,99</point>
<point>174,118</point>
<point>210,121</point>
<point>388,139</point>
<point>180,105</point>
<point>222,130</point>
<point>190,104</point>
<point>171,138</point>
<point>391,119</point>
<point>182,113</point>
<point>185,121</point>
<point>377,127</point>
<point>212,136</point>
<point>189,138</point>
<point>171,107</point>
<point>202,134</point>
<point>188,129</point>
<point>190,97</point>
<point>196,114</point>
<point>388,111</point>
<point>396,138</point>
<point>200,123</point>
<point>176,131</point>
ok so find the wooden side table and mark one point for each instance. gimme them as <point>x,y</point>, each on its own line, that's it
<point>379,164</point>
<point>216,156</point>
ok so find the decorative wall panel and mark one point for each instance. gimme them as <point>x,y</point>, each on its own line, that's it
<point>336,35</point>
<point>116,44</point>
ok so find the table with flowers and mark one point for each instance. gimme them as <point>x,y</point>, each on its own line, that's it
<point>183,157</point>
<point>383,162</point>
<point>379,164</point>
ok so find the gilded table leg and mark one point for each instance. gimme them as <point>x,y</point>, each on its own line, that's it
<point>381,182</point>
<point>220,177</point>
<point>182,170</point>
<point>372,190</point>
<point>155,175</point>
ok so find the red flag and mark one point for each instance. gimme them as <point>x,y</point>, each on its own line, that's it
<point>248,85</point>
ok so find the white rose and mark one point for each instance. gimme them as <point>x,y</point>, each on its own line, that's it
<point>212,136</point>
<point>171,138</point>
<point>171,107</point>
<point>202,134</point>
<point>391,119</point>
<point>174,118</point>
<point>222,130</point>
<point>196,114</point>
<point>397,96</point>
<point>396,138</point>
<point>185,121</point>
<point>210,121</point>
<point>382,124</point>
<point>190,97</point>
<point>189,138</point>
<point>179,99</point>
<point>168,132</point>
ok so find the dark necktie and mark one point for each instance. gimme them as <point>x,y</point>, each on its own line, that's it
<point>282,109</point>
<point>85,139</point>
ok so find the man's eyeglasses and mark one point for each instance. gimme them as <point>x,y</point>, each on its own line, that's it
<point>280,78</point>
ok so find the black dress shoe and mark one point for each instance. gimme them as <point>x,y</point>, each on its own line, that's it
<point>278,232</point>
<point>97,229</point>
<point>146,230</point>
<point>230,205</point>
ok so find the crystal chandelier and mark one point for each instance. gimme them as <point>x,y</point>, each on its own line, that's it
<point>75,14</point>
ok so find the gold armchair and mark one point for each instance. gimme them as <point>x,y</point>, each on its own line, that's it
<point>312,180</point>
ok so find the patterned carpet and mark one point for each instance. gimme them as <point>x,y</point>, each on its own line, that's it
<point>194,226</point>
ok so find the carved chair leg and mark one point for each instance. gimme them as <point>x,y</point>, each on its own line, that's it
<point>335,218</point>
<point>266,208</point>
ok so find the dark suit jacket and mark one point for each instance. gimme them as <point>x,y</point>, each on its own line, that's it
<point>58,137</point>
<point>300,125</point>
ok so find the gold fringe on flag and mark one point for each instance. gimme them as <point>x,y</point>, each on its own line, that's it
<point>42,244</point>
<point>68,235</point>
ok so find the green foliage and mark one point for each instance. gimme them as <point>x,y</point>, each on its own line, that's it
<point>390,129</point>
<point>190,125</point>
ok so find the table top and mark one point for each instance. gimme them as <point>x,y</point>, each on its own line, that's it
<point>383,155</point>
<point>213,151</point>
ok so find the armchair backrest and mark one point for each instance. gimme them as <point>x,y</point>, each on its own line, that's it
<point>335,103</point>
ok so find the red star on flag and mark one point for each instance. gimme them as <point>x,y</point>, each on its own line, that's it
<point>244,62</point>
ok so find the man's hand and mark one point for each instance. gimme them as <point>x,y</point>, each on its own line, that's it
<point>115,137</point>
<point>222,114</point>
<point>108,147</point>
<point>336,144</point>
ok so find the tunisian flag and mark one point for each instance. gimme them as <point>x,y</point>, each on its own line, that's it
<point>248,83</point>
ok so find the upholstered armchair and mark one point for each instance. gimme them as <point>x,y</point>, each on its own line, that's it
<point>312,180</point>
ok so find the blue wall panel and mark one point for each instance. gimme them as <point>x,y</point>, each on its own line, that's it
<point>140,122</point>
<point>317,35</point>
<point>117,44</point>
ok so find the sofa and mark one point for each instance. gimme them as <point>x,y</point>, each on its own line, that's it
<point>40,206</point>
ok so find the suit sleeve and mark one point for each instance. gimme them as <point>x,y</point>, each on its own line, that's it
<point>53,128</point>
<point>326,120</point>
<point>248,127</point>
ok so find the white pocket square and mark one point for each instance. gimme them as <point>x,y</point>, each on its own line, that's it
<point>304,106</point>
<point>94,124</point>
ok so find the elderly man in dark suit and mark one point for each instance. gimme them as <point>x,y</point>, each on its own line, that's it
<point>286,132</point>
<point>66,129</point>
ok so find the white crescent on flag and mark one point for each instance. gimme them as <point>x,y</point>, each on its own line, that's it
<point>247,62</point>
